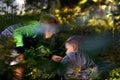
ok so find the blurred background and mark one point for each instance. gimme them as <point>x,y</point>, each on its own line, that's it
<point>98,21</point>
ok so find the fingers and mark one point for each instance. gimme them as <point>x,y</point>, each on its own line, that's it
<point>56,58</point>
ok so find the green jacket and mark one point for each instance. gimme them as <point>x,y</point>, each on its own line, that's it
<point>31,31</point>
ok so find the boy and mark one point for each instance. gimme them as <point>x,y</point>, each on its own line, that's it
<point>30,36</point>
<point>77,65</point>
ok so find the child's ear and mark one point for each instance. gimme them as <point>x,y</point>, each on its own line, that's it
<point>74,47</point>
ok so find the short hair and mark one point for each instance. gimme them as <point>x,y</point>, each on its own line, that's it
<point>75,41</point>
<point>49,18</point>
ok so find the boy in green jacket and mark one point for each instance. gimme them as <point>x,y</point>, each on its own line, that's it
<point>29,36</point>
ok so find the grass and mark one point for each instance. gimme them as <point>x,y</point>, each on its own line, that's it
<point>7,20</point>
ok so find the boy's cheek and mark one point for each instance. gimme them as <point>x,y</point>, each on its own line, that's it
<point>48,35</point>
<point>67,51</point>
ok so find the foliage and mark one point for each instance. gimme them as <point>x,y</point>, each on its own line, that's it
<point>114,74</point>
<point>10,19</point>
<point>99,15</point>
<point>6,45</point>
<point>37,64</point>
<point>80,18</point>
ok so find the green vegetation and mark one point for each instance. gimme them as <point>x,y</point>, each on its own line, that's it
<point>100,31</point>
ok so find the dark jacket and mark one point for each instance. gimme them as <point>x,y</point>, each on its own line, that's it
<point>78,66</point>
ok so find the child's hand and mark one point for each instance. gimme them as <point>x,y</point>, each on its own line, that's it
<point>56,58</point>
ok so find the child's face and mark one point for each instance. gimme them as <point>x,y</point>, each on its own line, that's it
<point>49,30</point>
<point>48,34</point>
<point>69,48</point>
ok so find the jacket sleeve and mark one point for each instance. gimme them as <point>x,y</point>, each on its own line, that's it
<point>26,31</point>
<point>63,67</point>
<point>18,37</point>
